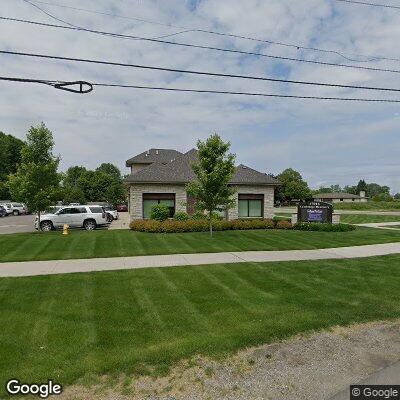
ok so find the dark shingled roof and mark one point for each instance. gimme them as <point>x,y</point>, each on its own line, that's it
<point>180,171</point>
<point>336,195</point>
<point>154,155</point>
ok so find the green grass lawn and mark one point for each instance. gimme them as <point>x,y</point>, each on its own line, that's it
<point>355,218</point>
<point>367,218</point>
<point>78,326</point>
<point>370,206</point>
<point>117,243</point>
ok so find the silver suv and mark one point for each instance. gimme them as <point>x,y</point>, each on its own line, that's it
<point>87,217</point>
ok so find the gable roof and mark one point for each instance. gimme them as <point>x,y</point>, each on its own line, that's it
<point>247,175</point>
<point>180,171</point>
<point>336,195</point>
<point>154,155</point>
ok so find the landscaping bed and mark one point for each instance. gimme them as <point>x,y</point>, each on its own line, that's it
<point>171,226</point>
<point>76,328</point>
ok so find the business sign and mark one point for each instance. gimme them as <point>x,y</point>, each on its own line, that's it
<point>314,211</point>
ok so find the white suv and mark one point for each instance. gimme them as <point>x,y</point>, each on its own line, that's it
<point>87,217</point>
<point>15,208</point>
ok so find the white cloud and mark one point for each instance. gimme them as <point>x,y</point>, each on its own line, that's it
<point>328,142</point>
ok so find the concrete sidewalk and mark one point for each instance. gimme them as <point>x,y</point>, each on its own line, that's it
<point>30,268</point>
<point>386,376</point>
<point>382,225</point>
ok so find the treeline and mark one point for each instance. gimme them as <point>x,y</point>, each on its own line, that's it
<point>27,166</point>
<point>293,186</point>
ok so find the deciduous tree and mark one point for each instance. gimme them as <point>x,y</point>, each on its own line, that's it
<point>214,170</point>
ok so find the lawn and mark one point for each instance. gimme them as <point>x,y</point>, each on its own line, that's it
<point>354,218</point>
<point>75,327</point>
<point>369,206</point>
<point>118,243</point>
<point>367,218</point>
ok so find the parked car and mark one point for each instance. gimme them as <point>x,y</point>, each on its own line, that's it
<point>87,217</point>
<point>3,212</point>
<point>15,208</point>
<point>122,208</point>
<point>7,207</point>
<point>110,211</point>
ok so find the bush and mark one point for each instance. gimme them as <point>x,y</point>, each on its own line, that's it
<point>283,224</point>
<point>198,215</point>
<point>181,216</point>
<point>309,226</point>
<point>200,225</point>
<point>159,212</point>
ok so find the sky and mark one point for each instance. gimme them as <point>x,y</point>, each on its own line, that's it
<point>328,142</point>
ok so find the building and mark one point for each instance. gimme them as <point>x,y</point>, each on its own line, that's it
<point>338,197</point>
<point>160,176</point>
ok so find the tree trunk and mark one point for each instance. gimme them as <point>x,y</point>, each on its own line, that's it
<point>211,231</point>
<point>38,213</point>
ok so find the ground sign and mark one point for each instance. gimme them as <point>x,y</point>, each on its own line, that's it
<point>314,211</point>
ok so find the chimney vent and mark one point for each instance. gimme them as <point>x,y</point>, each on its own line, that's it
<point>156,151</point>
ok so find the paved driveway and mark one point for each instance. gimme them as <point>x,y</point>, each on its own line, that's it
<point>17,224</point>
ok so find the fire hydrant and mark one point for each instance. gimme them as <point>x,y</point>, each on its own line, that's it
<point>65,229</point>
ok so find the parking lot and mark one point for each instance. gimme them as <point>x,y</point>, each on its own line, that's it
<point>17,224</point>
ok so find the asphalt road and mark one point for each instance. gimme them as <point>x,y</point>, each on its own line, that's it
<point>17,224</point>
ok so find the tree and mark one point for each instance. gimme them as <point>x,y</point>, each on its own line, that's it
<point>361,186</point>
<point>110,169</point>
<point>214,170</point>
<point>36,181</point>
<point>72,175</point>
<point>373,189</point>
<point>292,186</point>
<point>397,196</point>
<point>10,157</point>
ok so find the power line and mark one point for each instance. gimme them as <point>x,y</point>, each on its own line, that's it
<point>194,72</point>
<point>243,93</point>
<point>189,45</point>
<point>62,85</point>
<point>237,36</point>
<point>365,3</point>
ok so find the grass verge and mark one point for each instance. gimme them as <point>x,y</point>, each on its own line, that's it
<point>73,327</point>
<point>120,243</point>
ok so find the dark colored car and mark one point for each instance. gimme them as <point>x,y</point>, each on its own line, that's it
<point>3,212</point>
<point>122,208</point>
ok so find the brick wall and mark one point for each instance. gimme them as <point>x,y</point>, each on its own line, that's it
<point>267,191</point>
<point>136,197</point>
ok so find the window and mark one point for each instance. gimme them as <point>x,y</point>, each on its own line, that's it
<point>251,205</point>
<point>151,199</point>
<point>341,199</point>
<point>96,210</point>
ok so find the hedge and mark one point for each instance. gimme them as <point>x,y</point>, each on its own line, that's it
<point>200,225</point>
<point>175,226</point>
<point>309,226</point>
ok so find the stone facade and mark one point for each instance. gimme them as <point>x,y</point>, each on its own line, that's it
<point>136,197</point>
<point>267,191</point>
<point>182,203</point>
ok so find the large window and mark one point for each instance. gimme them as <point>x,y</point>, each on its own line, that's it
<point>151,199</point>
<point>251,205</point>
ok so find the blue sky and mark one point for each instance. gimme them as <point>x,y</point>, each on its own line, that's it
<point>328,142</point>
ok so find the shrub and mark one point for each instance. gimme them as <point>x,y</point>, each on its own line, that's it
<point>200,225</point>
<point>283,224</point>
<point>159,212</point>
<point>181,216</point>
<point>309,226</point>
<point>198,215</point>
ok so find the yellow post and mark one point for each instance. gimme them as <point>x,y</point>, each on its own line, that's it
<point>65,229</point>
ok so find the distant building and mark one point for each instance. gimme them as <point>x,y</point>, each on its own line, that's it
<point>339,197</point>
